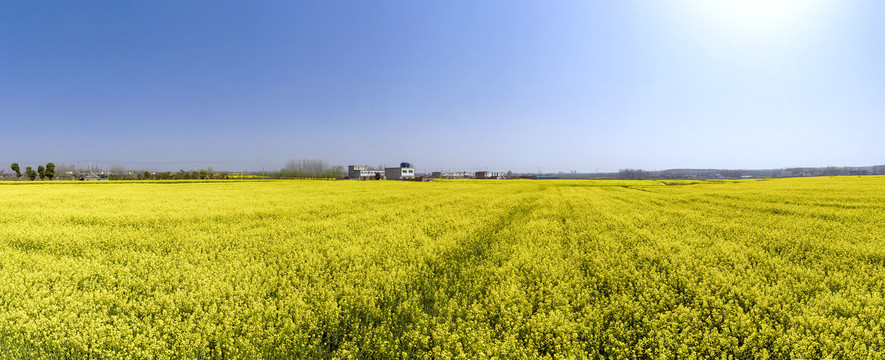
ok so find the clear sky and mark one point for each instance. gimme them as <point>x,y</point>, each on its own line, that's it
<point>460,85</point>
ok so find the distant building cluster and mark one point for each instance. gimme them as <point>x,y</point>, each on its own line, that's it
<point>452,174</point>
<point>468,175</point>
<point>317,169</point>
<point>489,175</point>
<point>405,171</point>
<point>363,172</point>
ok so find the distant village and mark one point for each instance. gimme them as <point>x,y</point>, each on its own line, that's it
<point>406,172</point>
<point>317,169</point>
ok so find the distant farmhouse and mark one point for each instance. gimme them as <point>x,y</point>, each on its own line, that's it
<point>364,172</point>
<point>489,175</point>
<point>92,177</point>
<point>403,172</point>
<point>452,174</point>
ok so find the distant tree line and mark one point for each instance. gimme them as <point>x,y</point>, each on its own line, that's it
<point>295,169</point>
<point>309,168</point>
<point>42,173</point>
<point>633,174</point>
<point>202,174</point>
<point>636,174</point>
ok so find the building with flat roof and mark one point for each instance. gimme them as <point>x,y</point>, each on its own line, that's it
<point>399,173</point>
<point>363,172</point>
<point>452,174</point>
<point>489,175</point>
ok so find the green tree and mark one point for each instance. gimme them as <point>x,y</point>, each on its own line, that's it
<point>50,171</point>
<point>31,173</point>
<point>18,172</point>
<point>147,175</point>
<point>377,176</point>
<point>41,171</point>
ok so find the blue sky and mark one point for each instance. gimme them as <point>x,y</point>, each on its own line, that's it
<point>460,85</point>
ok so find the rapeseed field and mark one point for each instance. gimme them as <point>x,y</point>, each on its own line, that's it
<point>495,269</point>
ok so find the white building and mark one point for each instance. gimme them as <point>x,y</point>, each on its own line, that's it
<point>399,173</point>
<point>363,172</point>
<point>489,175</point>
<point>452,174</point>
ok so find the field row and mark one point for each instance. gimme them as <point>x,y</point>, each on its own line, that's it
<point>787,268</point>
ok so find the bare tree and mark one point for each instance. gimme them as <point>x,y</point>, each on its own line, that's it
<point>632,174</point>
<point>117,170</point>
<point>309,168</point>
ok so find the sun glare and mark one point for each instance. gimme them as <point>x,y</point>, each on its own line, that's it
<point>757,20</point>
